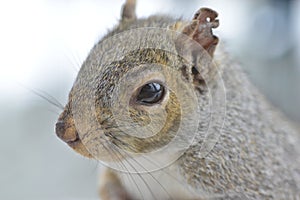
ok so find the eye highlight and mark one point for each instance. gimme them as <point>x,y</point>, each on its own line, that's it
<point>150,93</point>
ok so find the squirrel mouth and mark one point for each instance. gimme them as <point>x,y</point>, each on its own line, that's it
<point>74,142</point>
<point>79,147</point>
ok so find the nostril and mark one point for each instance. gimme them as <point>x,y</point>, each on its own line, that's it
<point>66,131</point>
<point>60,129</point>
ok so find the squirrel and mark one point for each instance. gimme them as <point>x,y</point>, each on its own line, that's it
<point>253,153</point>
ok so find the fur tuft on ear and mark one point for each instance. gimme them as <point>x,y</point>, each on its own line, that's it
<point>128,11</point>
<point>203,22</point>
<point>200,31</point>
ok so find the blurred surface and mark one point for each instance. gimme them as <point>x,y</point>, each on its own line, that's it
<point>44,42</point>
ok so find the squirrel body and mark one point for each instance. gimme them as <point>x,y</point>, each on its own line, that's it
<point>257,155</point>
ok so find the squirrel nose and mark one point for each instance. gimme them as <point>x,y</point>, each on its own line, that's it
<point>65,133</point>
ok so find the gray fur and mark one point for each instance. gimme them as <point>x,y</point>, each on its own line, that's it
<point>256,156</point>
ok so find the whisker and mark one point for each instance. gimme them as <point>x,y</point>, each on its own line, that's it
<point>95,168</point>
<point>206,196</point>
<point>51,98</point>
<point>75,62</point>
<point>78,58</point>
<point>129,175</point>
<point>149,173</point>
<point>105,120</point>
<point>47,97</point>
<point>116,129</point>
<point>114,153</point>
<point>145,182</point>
<point>152,162</point>
<point>53,111</point>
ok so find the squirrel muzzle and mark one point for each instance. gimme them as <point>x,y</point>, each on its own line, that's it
<point>65,129</point>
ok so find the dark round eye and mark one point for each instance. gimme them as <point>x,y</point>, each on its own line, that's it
<point>150,93</point>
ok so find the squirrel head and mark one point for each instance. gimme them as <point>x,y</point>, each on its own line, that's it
<point>129,101</point>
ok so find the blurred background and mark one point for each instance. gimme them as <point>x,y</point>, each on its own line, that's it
<point>43,43</point>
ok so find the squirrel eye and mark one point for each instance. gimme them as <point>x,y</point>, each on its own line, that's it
<point>150,93</point>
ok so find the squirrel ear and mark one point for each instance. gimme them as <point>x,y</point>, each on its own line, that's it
<point>200,30</point>
<point>128,11</point>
